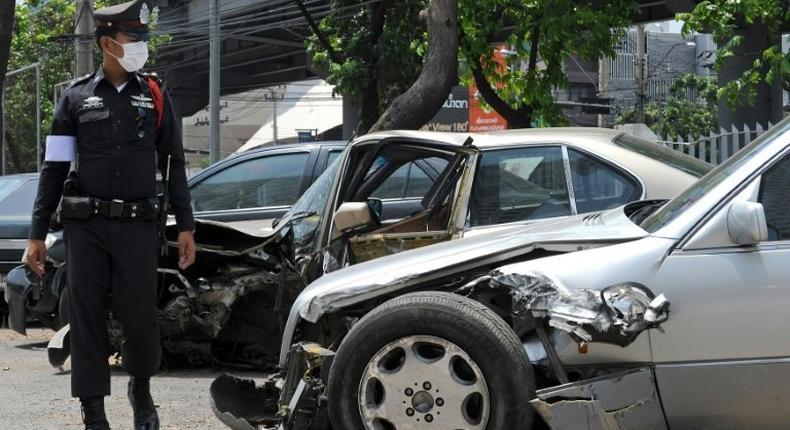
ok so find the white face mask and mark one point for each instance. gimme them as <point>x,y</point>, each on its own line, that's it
<point>135,54</point>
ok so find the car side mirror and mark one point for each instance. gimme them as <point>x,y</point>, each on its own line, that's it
<point>352,215</point>
<point>746,223</point>
<point>376,206</point>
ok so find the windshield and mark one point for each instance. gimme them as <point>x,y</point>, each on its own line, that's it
<point>305,215</point>
<point>663,154</point>
<point>680,203</point>
<point>18,200</point>
<point>8,185</point>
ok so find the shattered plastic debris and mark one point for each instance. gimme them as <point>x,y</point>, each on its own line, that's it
<point>620,401</point>
<point>616,314</point>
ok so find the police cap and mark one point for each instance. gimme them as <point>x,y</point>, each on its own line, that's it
<point>130,17</point>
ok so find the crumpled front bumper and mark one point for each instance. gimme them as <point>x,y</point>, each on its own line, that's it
<point>289,401</point>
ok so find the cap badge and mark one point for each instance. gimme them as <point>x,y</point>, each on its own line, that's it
<point>145,14</point>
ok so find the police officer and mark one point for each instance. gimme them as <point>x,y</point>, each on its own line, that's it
<point>115,125</point>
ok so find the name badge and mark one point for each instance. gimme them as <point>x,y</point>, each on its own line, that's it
<point>93,102</point>
<point>142,101</point>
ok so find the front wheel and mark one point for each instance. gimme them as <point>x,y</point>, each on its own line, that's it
<point>431,360</point>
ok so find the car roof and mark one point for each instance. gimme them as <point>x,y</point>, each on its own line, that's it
<point>570,135</point>
<point>321,144</point>
<point>659,180</point>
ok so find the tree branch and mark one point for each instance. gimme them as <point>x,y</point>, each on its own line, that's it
<point>516,118</point>
<point>377,21</point>
<point>333,55</point>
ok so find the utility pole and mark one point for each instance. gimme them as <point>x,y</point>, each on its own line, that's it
<point>38,116</point>
<point>640,74</point>
<point>274,96</point>
<point>83,43</point>
<point>214,80</point>
<point>603,85</point>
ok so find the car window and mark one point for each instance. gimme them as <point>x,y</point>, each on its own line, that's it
<point>332,156</point>
<point>8,185</point>
<point>20,200</point>
<point>422,176</point>
<point>775,197</point>
<point>597,185</point>
<point>272,180</point>
<point>677,206</point>
<point>393,187</point>
<point>410,180</point>
<point>666,155</point>
<point>519,184</point>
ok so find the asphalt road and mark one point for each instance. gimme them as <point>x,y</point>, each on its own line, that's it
<point>35,396</point>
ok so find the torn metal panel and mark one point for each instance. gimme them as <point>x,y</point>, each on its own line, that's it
<point>616,314</point>
<point>621,401</point>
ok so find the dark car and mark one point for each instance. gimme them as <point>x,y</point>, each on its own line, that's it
<point>248,188</point>
<point>260,184</point>
<point>17,193</point>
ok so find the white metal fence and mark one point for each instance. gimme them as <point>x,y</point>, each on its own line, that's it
<point>716,147</point>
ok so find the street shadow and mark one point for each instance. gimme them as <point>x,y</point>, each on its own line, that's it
<point>42,345</point>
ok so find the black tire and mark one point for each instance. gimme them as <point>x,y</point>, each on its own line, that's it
<point>467,324</point>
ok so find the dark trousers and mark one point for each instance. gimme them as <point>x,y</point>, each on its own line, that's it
<point>111,261</point>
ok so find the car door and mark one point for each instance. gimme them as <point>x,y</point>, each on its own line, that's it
<point>723,360</point>
<point>398,167</point>
<point>256,188</point>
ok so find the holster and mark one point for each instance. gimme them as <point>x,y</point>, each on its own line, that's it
<point>72,204</point>
<point>76,207</point>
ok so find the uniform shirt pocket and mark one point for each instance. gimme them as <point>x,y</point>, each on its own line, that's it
<point>94,127</point>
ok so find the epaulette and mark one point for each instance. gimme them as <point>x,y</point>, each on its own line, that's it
<point>81,79</point>
<point>148,75</point>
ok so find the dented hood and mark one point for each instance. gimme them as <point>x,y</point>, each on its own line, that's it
<point>393,273</point>
<point>223,238</point>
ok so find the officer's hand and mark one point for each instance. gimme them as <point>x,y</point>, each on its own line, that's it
<point>186,249</point>
<point>35,256</point>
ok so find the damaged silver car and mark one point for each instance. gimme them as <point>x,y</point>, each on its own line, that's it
<point>654,315</point>
<point>388,192</point>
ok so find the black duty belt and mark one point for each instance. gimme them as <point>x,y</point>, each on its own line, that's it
<point>83,207</point>
<point>141,209</point>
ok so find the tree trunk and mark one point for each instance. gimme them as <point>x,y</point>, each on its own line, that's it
<point>6,31</point>
<point>439,73</point>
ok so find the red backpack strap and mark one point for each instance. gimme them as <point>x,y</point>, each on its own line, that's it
<point>159,100</point>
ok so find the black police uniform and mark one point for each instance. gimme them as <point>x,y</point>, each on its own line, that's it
<point>117,145</point>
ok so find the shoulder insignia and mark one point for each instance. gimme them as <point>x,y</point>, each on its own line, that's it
<point>80,80</point>
<point>148,75</point>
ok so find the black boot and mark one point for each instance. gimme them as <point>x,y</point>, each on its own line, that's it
<point>93,414</point>
<point>145,416</point>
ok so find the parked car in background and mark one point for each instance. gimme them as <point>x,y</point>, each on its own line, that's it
<point>386,193</point>
<point>260,184</point>
<point>17,195</point>
<point>461,334</point>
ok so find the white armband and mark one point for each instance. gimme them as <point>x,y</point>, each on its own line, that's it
<point>61,148</point>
